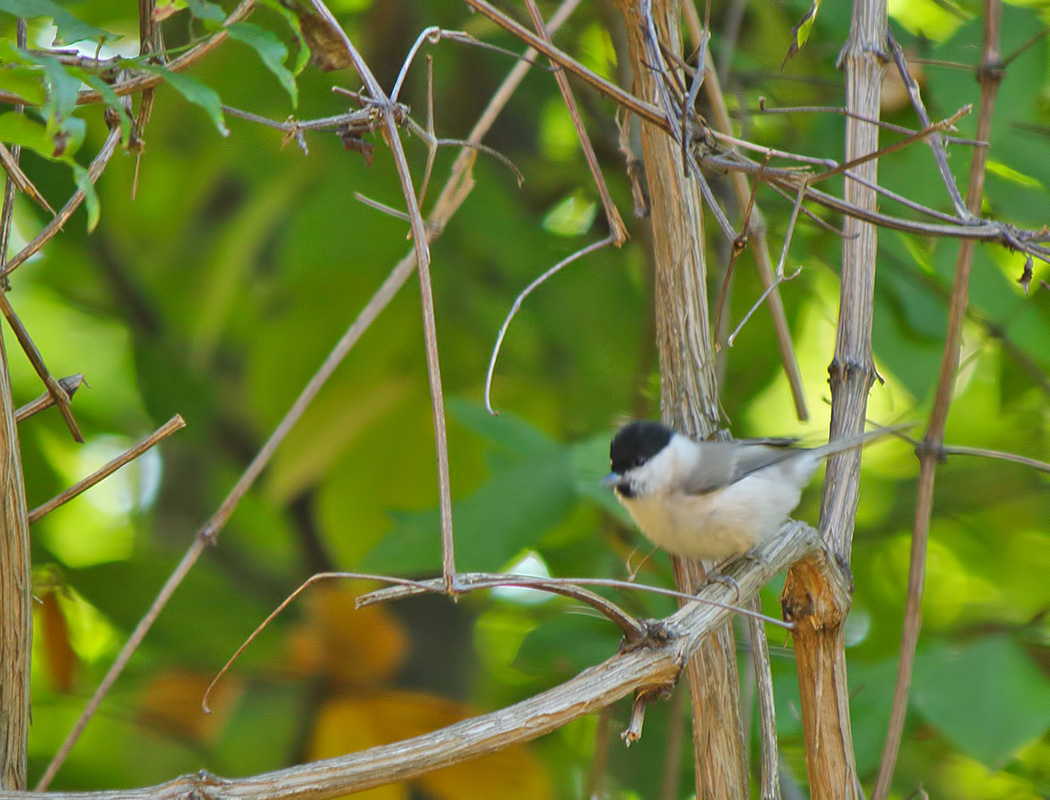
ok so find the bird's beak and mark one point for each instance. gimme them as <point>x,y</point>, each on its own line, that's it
<point>612,479</point>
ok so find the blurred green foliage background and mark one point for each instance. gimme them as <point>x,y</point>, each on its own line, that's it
<point>217,291</point>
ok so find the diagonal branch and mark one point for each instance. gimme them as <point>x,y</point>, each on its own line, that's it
<point>612,216</point>
<point>54,388</point>
<point>163,432</point>
<point>457,189</point>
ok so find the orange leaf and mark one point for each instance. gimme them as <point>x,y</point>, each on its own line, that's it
<point>349,724</point>
<point>351,647</point>
<point>172,702</point>
<point>60,661</point>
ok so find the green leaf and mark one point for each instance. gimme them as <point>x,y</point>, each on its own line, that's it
<point>511,433</point>
<point>508,513</point>
<point>195,92</point>
<point>202,9</point>
<point>801,30</point>
<point>22,130</point>
<point>62,86</point>
<point>590,463</point>
<point>271,50</point>
<point>24,82</point>
<point>988,699</point>
<point>1010,174</point>
<point>70,29</point>
<point>573,216</point>
<point>216,605</point>
<point>302,58</point>
<point>91,203</point>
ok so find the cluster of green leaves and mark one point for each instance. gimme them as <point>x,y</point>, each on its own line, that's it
<point>217,292</point>
<point>50,88</point>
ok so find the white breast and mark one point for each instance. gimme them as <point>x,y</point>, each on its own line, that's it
<point>725,522</point>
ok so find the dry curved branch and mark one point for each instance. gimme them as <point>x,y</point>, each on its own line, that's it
<point>648,667</point>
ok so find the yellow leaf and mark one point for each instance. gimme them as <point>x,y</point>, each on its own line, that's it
<point>351,647</point>
<point>353,723</point>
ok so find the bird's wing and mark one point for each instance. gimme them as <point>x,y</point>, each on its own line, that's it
<point>772,441</point>
<point>725,463</point>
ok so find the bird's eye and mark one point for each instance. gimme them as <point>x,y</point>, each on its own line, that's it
<point>639,461</point>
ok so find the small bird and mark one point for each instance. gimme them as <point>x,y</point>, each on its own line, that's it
<point>712,500</point>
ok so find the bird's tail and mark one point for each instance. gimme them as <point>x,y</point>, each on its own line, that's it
<point>857,440</point>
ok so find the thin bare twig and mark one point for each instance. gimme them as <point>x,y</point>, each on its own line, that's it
<point>634,630</point>
<point>640,107</point>
<point>932,129</point>
<point>468,581</point>
<point>936,142</point>
<point>455,192</point>
<point>163,432</point>
<point>302,587</point>
<point>612,216</point>
<point>991,75</point>
<point>779,276</point>
<point>610,239</point>
<point>982,452</point>
<point>883,124</point>
<point>794,174</point>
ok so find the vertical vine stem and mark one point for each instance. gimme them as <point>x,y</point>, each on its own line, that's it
<point>688,385</point>
<point>990,75</point>
<point>16,614</point>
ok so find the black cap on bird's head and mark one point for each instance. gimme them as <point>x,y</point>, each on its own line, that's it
<point>632,446</point>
